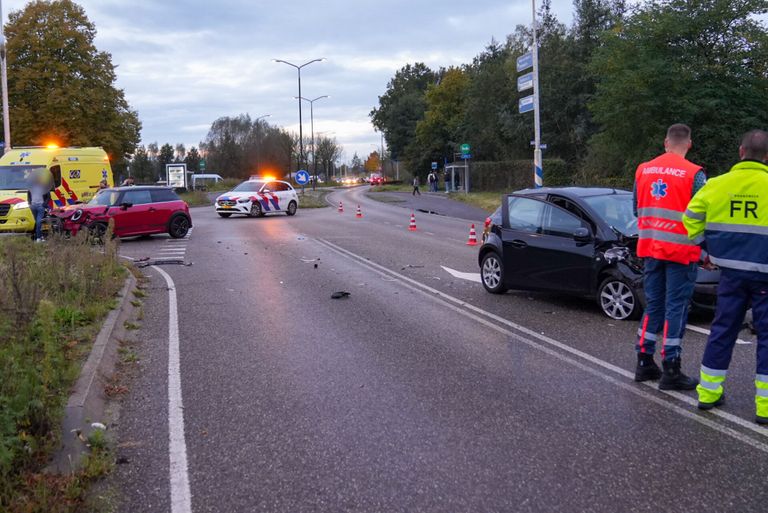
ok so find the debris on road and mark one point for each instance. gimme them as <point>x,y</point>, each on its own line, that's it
<point>340,295</point>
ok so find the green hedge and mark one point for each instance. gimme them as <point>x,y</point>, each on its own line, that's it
<point>516,174</point>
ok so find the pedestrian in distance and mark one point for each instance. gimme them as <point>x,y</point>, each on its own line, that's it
<point>663,188</point>
<point>432,181</point>
<point>39,188</point>
<point>447,178</point>
<point>730,215</point>
<point>416,184</point>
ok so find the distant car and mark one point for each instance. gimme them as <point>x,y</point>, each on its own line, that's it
<point>141,210</point>
<point>575,240</point>
<point>255,198</point>
<point>376,180</point>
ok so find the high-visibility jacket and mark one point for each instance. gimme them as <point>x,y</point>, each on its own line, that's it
<point>664,187</point>
<point>731,213</point>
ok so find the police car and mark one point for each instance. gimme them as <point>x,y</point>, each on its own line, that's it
<point>258,197</point>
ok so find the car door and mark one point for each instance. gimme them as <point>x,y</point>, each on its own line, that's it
<point>540,252</point>
<point>161,208</point>
<point>270,195</point>
<point>136,218</point>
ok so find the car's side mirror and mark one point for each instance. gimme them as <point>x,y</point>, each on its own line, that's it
<point>125,205</point>
<point>582,235</point>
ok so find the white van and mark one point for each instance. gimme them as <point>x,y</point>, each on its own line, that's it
<point>200,181</point>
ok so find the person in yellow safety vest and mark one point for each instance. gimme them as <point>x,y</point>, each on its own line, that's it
<point>730,216</point>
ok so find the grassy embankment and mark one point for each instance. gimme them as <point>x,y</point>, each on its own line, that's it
<point>55,297</point>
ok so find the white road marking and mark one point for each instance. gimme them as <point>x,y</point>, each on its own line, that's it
<point>473,277</point>
<point>484,317</point>
<point>181,496</point>
<point>705,331</point>
<point>430,233</point>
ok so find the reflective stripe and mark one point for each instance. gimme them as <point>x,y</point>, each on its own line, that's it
<point>761,392</point>
<point>673,341</point>
<point>762,377</point>
<point>698,240</point>
<point>709,386</point>
<point>739,264</point>
<point>676,238</point>
<point>662,213</point>
<point>648,336</point>
<point>713,372</point>
<point>738,228</point>
<point>695,215</point>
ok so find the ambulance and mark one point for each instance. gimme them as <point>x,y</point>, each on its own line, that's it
<point>75,176</point>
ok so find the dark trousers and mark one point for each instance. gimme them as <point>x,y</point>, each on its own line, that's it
<point>734,295</point>
<point>668,289</point>
<point>416,190</point>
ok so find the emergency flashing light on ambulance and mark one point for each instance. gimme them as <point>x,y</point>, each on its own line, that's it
<point>75,174</point>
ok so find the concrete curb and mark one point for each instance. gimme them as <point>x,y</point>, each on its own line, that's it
<point>87,402</point>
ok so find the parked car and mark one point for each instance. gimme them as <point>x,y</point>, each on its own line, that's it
<point>257,197</point>
<point>575,240</point>
<point>141,210</point>
<point>376,179</point>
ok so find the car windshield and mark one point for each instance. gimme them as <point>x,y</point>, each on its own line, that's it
<point>105,198</point>
<point>616,210</point>
<point>17,177</point>
<point>249,186</point>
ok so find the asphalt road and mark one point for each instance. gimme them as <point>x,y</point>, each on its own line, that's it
<point>418,392</point>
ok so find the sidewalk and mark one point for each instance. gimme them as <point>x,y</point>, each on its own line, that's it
<point>435,202</point>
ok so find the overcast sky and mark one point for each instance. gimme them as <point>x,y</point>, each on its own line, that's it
<point>184,63</point>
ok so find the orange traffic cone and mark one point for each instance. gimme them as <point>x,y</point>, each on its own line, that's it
<point>359,212</point>
<point>412,225</point>
<point>472,236</point>
<point>341,208</point>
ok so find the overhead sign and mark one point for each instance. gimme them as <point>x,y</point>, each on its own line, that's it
<point>434,166</point>
<point>525,61</point>
<point>525,104</point>
<point>302,177</point>
<point>525,82</point>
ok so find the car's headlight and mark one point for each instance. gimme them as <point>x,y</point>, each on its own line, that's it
<point>23,204</point>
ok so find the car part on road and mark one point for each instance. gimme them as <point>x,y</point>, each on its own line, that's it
<point>340,295</point>
<point>492,273</point>
<point>618,299</point>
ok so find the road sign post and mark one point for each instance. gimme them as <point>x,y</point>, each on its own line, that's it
<point>302,178</point>
<point>531,103</point>
<point>201,165</point>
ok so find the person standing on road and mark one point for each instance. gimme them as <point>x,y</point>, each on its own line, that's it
<point>416,184</point>
<point>432,181</point>
<point>730,215</point>
<point>663,188</point>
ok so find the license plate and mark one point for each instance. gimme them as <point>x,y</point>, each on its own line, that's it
<point>226,206</point>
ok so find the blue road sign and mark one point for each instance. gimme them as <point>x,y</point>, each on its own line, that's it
<point>302,177</point>
<point>466,156</point>
<point>434,165</point>
<point>525,82</point>
<point>525,61</point>
<point>525,104</point>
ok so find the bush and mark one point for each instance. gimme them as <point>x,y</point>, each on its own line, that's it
<point>57,294</point>
<point>516,174</point>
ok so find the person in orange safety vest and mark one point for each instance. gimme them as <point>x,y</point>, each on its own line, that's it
<point>663,188</point>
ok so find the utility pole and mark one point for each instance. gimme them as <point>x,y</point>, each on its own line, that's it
<point>312,125</point>
<point>537,160</point>
<point>4,85</point>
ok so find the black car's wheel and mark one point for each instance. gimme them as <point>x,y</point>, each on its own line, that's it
<point>224,214</point>
<point>255,209</point>
<point>618,299</point>
<point>178,227</point>
<point>291,208</point>
<point>492,273</point>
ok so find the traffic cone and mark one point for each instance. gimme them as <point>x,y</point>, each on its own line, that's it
<point>472,236</point>
<point>359,212</point>
<point>341,208</point>
<point>412,225</point>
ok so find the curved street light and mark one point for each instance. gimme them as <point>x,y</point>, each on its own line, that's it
<point>298,71</point>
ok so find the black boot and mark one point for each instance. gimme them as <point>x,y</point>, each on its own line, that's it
<point>674,379</point>
<point>646,369</point>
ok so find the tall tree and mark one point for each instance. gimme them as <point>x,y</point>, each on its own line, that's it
<point>372,163</point>
<point>141,167</point>
<point>328,153</point>
<point>61,87</point>
<point>165,157</point>
<point>181,152</point>
<point>192,160</point>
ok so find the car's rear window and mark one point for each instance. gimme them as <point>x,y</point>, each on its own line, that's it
<point>160,195</point>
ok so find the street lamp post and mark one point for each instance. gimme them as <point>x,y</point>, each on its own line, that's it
<point>4,85</point>
<point>258,139</point>
<point>298,71</point>
<point>312,127</point>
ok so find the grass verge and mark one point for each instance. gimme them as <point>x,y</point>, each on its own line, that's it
<point>488,201</point>
<point>55,298</point>
<point>313,199</point>
<point>391,188</point>
<point>196,198</point>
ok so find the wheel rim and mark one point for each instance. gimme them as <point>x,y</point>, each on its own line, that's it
<point>180,226</point>
<point>255,209</point>
<point>617,300</point>
<point>492,272</point>
<point>292,208</point>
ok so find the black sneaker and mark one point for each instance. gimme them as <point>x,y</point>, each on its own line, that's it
<point>763,421</point>
<point>673,378</point>
<point>709,406</point>
<point>646,369</point>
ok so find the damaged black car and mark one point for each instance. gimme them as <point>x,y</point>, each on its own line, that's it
<point>575,240</point>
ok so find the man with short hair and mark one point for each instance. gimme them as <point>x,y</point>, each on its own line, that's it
<point>730,215</point>
<point>663,188</point>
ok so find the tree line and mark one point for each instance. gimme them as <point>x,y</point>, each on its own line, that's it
<point>610,84</point>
